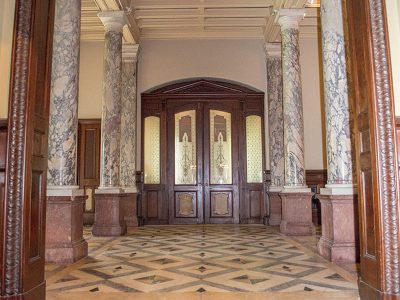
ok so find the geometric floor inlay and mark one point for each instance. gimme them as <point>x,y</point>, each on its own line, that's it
<point>200,259</point>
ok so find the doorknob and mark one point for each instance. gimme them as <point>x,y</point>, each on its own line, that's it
<point>206,184</point>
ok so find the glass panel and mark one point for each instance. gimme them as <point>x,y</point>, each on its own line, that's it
<point>220,147</point>
<point>152,150</point>
<point>185,147</point>
<point>254,149</point>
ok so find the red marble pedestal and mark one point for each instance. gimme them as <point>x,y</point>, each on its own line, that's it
<point>339,240</point>
<point>129,208</point>
<point>109,214</point>
<point>296,214</point>
<point>64,229</point>
<point>275,209</point>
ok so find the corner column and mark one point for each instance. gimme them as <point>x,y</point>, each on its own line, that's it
<point>275,124</point>
<point>296,197</point>
<point>128,133</point>
<point>109,219</point>
<point>338,198</point>
<point>64,217</point>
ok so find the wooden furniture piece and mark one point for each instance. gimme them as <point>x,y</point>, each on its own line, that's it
<point>89,163</point>
<point>22,227</point>
<point>201,106</point>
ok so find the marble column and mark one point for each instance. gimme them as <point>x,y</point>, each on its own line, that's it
<point>275,125</point>
<point>338,198</point>
<point>128,132</point>
<point>296,197</point>
<point>64,222</point>
<point>109,218</point>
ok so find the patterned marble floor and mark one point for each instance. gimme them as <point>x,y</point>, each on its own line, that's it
<point>200,262</point>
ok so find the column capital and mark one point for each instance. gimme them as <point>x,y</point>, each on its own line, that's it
<point>289,18</point>
<point>113,20</point>
<point>273,49</point>
<point>130,52</point>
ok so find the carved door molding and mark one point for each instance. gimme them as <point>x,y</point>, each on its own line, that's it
<point>375,149</point>
<point>23,224</point>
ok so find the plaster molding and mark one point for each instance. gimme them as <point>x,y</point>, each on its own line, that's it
<point>273,49</point>
<point>130,52</point>
<point>113,20</point>
<point>290,18</point>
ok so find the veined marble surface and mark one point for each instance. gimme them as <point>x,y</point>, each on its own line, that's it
<point>128,125</point>
<point>292,109</point>
<point>275,119</point>
<point>338,133</point>
<point>111,113</point>
<point>63,118</point>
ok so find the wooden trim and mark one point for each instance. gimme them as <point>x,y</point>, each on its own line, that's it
<point>89,121</point>
<point>377,166</point>
<point>22,259</point>
<point>316,177</point>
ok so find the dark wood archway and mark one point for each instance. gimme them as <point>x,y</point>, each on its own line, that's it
<point>165,201</point>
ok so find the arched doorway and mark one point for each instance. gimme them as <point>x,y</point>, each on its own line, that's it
<point>203,154</point>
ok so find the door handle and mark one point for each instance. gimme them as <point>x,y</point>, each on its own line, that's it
<point>206,184</point>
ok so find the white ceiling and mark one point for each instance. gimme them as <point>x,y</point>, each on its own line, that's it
<point>189,19</point>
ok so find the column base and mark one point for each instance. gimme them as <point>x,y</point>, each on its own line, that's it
<point>109,216</point>
<point>275,208</point>
<point>339,240</point>
<point>64,230</point>
<point>129,207</point>
<point>296,214</point>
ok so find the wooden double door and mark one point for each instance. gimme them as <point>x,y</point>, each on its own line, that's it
<point>203,162</point>
<point>203,154</point>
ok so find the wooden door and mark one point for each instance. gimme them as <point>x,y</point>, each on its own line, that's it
<point>89,163</point>
<point>203,200</point>
<point>221,162</point>
<point>185,163</point>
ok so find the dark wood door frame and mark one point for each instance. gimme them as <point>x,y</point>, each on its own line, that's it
<point>23,220</point>
<point>378,181</point>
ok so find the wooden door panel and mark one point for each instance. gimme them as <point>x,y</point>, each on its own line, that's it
<point>221,200</point>
<point>221,205</point>
<point>185,188</point>
<point>186,204</point>
<point>256,204</point>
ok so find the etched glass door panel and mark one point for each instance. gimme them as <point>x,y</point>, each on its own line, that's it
<point>152,150</point>
<point>254,150</point>
<point>185,148</point>
<point>220,147</point>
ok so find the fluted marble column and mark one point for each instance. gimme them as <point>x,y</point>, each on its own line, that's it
<point>128,118</point>
<point>275,125</point>
<point>64,220</point>
<point>289,20</point>
<point>296,197</point>
<point>110,197</point>
<point>111,104</point>
<point>338,199</point>
<point>128,133</point>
